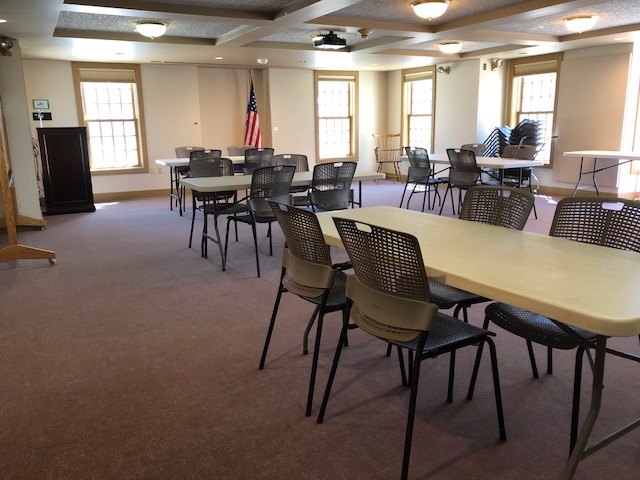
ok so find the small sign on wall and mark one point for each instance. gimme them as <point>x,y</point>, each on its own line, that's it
<point>40,104</point>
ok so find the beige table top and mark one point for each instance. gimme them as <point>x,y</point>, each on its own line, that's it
<point>583,285</point>
<point>485,162</point>
<point>242,182</point>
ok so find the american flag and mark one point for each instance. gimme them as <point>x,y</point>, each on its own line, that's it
<point>252,127</point>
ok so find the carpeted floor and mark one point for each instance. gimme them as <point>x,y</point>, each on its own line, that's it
<point>134,357</point>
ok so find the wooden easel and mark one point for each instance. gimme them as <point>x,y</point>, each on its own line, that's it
<point>15,251</point>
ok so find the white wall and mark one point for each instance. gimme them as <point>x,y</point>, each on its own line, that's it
<point>591,106</point>
<point>456,109</point>
<point>491,99</point>
<point>293,112</point>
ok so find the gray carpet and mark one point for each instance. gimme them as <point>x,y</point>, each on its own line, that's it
<point>134,357</point>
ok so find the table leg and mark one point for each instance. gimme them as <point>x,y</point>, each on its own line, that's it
<point>580,450</point>
<point>579,177</point>
<point>171,182</point>
<point>595,170</point>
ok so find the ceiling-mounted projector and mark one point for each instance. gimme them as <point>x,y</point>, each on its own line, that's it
<point>329,41</point>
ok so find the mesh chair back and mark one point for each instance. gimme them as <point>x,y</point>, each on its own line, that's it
<point>211,166</point>
<point>271,182</point>
<point>300,161</point>
<point>185,152</point>
<point>205,153</point>
<point>609,222</point>
<point>477,148</point>
<point>236,151</point>
<point>306,258</point>
<point>388,147</point>
<point>464,172</point>
<point>520,152</point>
<point>331,185</point>
<point>390,289</point>
<point>256,158</point>
<point>501,206</point>
<point>419,164</point>
<point>418,157</point>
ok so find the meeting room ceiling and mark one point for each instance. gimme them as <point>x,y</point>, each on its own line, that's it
<point>235,33</point>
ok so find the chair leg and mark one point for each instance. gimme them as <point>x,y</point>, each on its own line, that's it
<point>316,354</point>
<point>549,360</point>
<point>532,359</point>
<point>415,377</point>
<point>276,305</point>
<point>406,185</point>
<point>496,387</point>
<point>336,359</point>
<point>255,244</point>
<point>444,199</point>
<point>403,374</point>
<point>452,372</point>
<point>305,339</point>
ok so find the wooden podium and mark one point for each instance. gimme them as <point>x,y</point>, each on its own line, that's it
<point>15,251</point>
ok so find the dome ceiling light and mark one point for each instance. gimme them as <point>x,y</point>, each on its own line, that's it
<point>151,29</point>
<point>450,47</point>
<point>430,9</point>
<point>580,23</point>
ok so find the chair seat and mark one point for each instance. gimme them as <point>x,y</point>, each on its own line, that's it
<point>534,327</point>
<point>447,333</point>
<point>337,297</point>
<point>446,296</point>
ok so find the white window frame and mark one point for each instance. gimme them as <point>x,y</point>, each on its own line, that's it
<point>520,68</point>
<point>351,117</point>
<point>113,73</point>
<point>408,78</point>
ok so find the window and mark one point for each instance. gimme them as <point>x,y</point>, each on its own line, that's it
<point>109,101</point>
<point>417,110</point>
<point>335,114</point>
<point>533,94</point>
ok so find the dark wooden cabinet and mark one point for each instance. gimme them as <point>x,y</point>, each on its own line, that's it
<point>65,170</point>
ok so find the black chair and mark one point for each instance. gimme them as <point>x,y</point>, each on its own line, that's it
<point>421,174</point>
<point>257,158</point>
<point>388,297</point>
<point>520,177</point>
<point>463,175</point>
<point>181,172</point>
<point>272,183</point>
<point>500,206</point>
<point>302,165</point>
<point>215,203</point>
<point>331,186</point>
<point>608,222</point>
<point>477,148</point>
<point>307,271</point>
